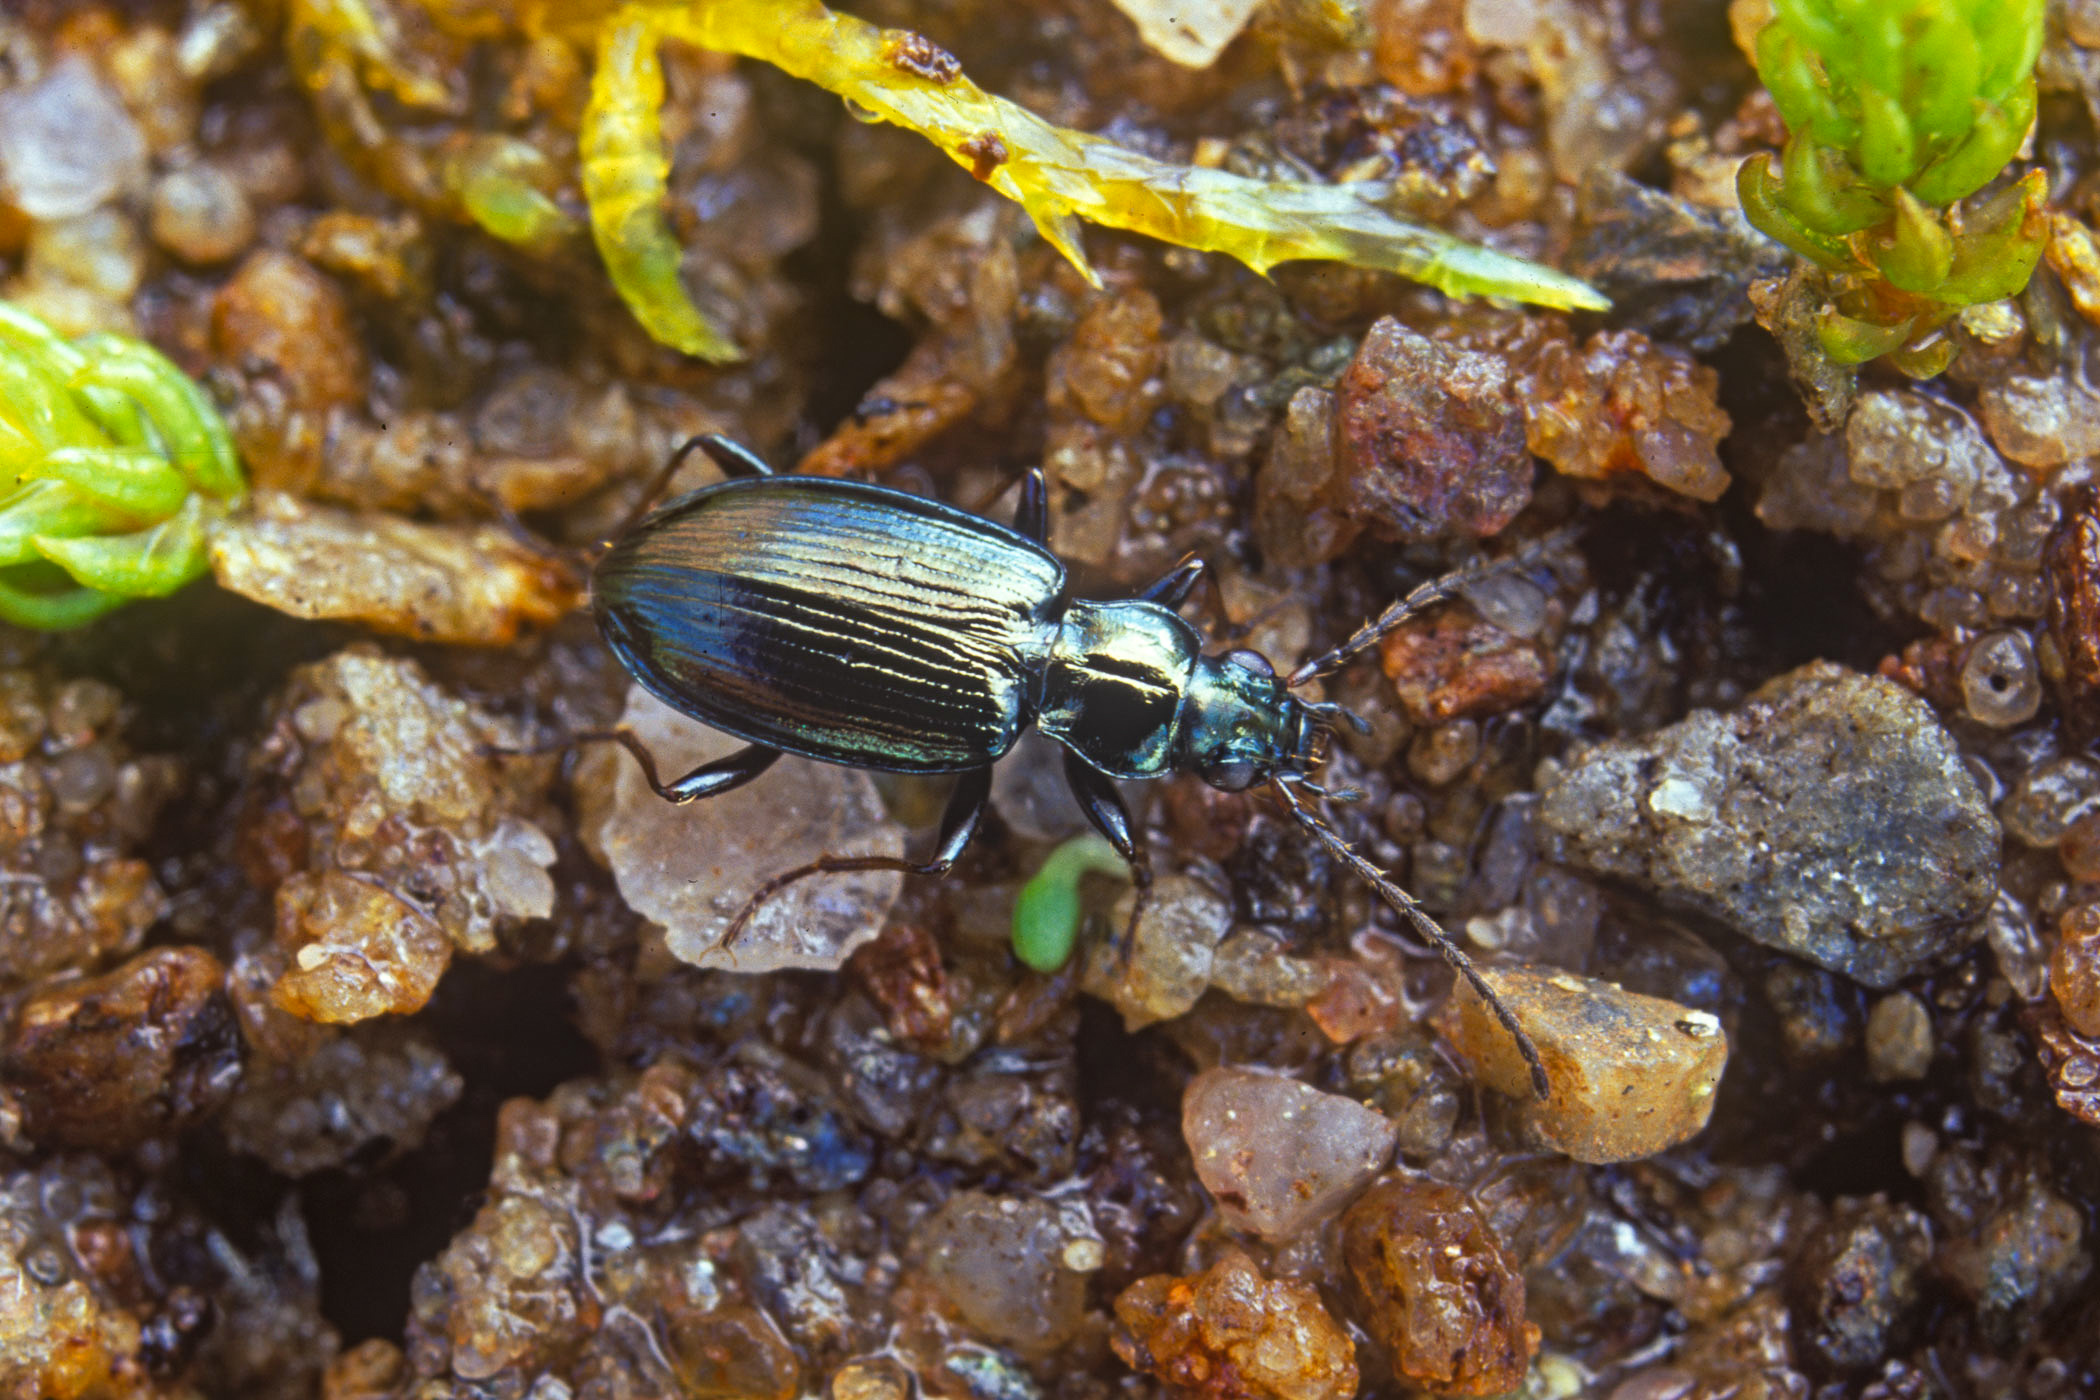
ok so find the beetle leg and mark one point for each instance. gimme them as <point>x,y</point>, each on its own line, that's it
<point>1172,588</point>
<point>731,456</point>
<point>708,780</point>
<point>1104,807</point>
<point>1032,515</point>
<point>959,822</point>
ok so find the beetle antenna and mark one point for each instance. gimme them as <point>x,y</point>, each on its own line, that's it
<point>1423,596</point>
<point>1408,908</point>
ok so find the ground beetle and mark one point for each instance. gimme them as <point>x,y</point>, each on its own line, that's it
<point>862,625</point>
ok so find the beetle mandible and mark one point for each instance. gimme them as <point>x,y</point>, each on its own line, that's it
<point>862,625</point>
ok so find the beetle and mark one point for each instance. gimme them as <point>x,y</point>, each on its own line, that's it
<point>861,625</point>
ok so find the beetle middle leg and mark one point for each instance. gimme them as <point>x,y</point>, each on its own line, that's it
<point>959,823</point>
<point>1103,806</point>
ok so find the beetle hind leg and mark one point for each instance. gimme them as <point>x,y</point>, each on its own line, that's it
<point>708,780</point>
<point>959,823</point>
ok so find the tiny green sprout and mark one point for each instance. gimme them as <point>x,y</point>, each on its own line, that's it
<point>1046,912</point>
<point>1898,111</point>
<point>117,466</point>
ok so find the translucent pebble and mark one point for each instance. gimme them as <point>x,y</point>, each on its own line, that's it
<point>999,1261</point>
<point>2000,684</point>
<point>1253,966</point>
<point>1898,438</point>
<point>1279,1156</point>
<point>691,868</point>
<point>2041,422</point>
<point>2080,848</point>
<point>1198,371</point>
<point>66,143</point>
<point>1168,963</point>
<point>99,251</point>
<point>201,215</point>
<point>1191,32</point>
<point>2047,799</point>
<point>1899,1038</point>
<point>2016,948</point>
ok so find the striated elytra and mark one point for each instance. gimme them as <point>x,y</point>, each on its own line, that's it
<point>861,625</point>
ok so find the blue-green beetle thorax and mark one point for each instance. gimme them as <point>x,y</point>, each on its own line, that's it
<point>1113,682</point>
<point>1126,687</point>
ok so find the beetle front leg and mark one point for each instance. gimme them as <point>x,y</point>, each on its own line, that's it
<point>1103,805</point>
<point>959,823</point>
<point>1172,589</point>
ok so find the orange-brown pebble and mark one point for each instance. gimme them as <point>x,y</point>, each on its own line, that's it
<point>2071,1060</point>
<point>457,585</point>
<point>277,311</point>
<point>2074,968</point>
<point>1621,403</point>
<point>287,328</point>
<point>357,950</point>
<point>2071,573</point>
<point>1228,1333</point>
<point>1443,1297</point>
<point>902,971</point>
<point>1458,666</point>
<point>1109,368</point>
<point>107,1062</point>
<point>1630,1075</point>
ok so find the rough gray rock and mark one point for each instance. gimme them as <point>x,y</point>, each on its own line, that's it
<point>1830,817</point>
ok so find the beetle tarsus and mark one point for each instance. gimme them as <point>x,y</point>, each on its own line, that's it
<point>1406,906</point>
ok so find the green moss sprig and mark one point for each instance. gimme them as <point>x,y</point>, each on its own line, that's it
<point>1898,111</point>
<point>118,464</point>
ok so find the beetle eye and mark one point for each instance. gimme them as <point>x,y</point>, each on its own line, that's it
<point>1231,777</point>
<point>1251,661</point>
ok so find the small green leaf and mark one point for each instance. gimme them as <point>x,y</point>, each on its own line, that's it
<point>2001,241</point>
<point>58,609</point>
<point>1946,67</point>
<point>1919,252</point>
<point>132,481</point>
<point>1759,189</point>
<point>1888,147</point>
<point>1797,88</point>
<point>1995,133</point>
<point>1823,192</point>
<point>149,563</point>
<point>1850,342</point>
